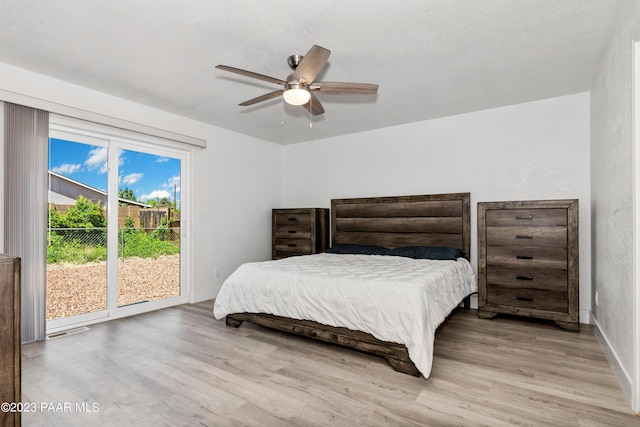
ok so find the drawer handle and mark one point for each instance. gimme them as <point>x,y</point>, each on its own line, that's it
<point>524,277</point>
<point>524,236</point>
<point>292,232</point>
<point>524,257</point>
<point>292,245</point>
<point>529,217</point>
<point>293,219</point>
<point>524,299</point>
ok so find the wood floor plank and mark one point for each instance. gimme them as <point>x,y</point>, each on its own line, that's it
<point>180,366</point>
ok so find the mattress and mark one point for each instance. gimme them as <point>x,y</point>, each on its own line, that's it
<point>396,299</point>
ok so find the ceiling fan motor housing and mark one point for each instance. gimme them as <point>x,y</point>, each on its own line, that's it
<point>294,60</point>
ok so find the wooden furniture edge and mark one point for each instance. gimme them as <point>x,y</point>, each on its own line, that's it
<point>10,339</point>
<point>396,354</point>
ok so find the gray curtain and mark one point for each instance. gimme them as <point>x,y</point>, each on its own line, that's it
<point>26,133</point>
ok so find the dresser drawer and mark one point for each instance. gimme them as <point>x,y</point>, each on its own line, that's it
<point>302,219</point>
<point>526,217</point>
<point>538,299</point>
<point>544,236</point>
<point>293,231</point>
<point>529,278</point>
<point>293,245</point>
<point>527,256</point>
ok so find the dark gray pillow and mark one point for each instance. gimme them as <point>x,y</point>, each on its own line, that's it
<point>427,252</point>
<point>347,248</point>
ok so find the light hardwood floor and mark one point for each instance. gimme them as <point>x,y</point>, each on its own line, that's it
<point>180,366</point>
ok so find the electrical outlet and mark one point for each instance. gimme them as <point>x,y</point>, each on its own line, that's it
<point>596,298</point>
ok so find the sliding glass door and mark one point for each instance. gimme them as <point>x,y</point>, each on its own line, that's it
<point>115,237</point>
<point>77,230</point>
<point>148,233</point>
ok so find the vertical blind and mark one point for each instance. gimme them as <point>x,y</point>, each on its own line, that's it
<point>26,132</point>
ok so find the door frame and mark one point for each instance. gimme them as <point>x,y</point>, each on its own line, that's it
<point>635,376</point>
<point>120,139</point>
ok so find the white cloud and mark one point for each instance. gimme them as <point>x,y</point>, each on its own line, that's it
<point>155,194</point>
<point>162,159</point>
<point>97,159</point>
<point>67,168</point>
<point>171,182</point>
<point>130,179</point>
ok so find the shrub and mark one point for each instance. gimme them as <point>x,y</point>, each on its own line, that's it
<point>60,250</point>
<point>138,243</point>
<point>85,214</point>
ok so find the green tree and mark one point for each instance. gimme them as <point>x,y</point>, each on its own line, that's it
<point>129,223</point>
<point>127,194</point>
<point>56,220</point>
<point>85,214</point>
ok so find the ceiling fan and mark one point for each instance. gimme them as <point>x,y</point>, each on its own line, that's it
<point>299,87</point>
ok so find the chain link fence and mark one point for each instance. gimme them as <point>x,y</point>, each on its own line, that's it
<point>142,242</point>
<point>95,236</point>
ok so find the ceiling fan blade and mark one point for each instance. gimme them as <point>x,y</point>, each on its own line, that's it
<point>338,88</point>
<point>311,64</point>
<point>265,97</point>
<point>251,74</point>
<point>314,106</point>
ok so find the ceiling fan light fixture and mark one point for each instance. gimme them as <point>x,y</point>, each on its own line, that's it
<point>296,94</point>
<point>298,87</point>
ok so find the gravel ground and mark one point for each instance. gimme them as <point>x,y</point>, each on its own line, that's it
<point>76,289</point>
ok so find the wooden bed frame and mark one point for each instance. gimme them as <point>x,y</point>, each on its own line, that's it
<point>435,220</point>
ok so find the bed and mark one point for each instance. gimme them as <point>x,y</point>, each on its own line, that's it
<point>322,296</point>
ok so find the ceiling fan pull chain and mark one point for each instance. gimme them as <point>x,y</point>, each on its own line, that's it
<point>282,117</point>
<point>310,121</point>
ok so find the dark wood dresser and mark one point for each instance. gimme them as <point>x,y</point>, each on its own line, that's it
<point>302,231</point>
<point>528,260</point>
<point>10,391</point>
<point>299,232</point>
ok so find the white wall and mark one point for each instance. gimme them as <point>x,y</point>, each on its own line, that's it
<point>612,184</point>
<point>236,179</point>
<point>537,150</point>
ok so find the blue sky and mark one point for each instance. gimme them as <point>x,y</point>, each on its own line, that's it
<point>148,175</point>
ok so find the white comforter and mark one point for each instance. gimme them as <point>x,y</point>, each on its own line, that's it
<point>395,299</point>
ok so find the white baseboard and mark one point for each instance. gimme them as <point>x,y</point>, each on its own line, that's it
<point>623,377</point>
<point>585,316</point>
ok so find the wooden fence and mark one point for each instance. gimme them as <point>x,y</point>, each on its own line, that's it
<point>145,218</point>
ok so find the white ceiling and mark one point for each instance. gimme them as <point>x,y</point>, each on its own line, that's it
<point>431,58</point>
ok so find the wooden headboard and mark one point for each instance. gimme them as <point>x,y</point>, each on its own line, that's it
<point>427,220</point>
